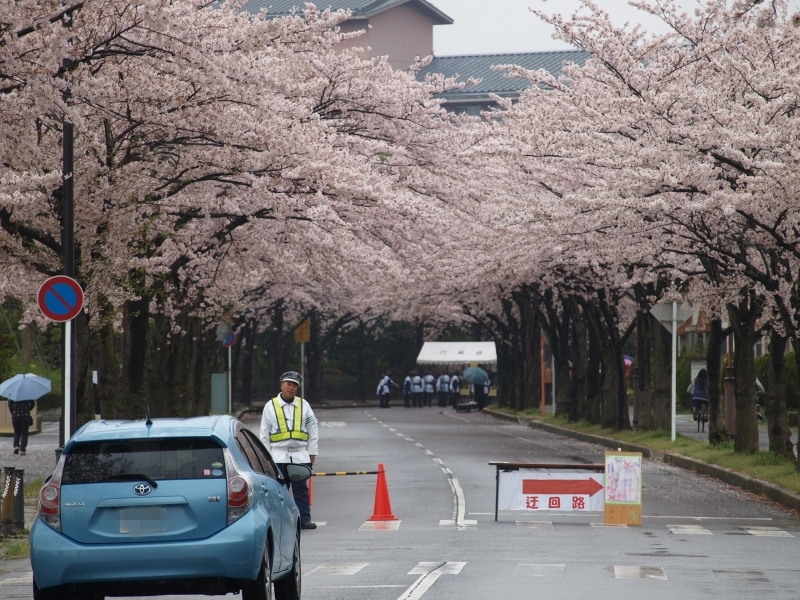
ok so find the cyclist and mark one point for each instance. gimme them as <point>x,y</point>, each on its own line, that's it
<point>700,393</point>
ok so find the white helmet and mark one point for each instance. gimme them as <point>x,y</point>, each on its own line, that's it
<point>292,376</point>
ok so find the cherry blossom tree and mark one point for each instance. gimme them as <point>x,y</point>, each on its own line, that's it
<point>218,154</point>
<point>657,135</point>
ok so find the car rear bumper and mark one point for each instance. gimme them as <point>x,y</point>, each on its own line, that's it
<point>232,553</point>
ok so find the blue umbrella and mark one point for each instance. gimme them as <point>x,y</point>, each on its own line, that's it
<point>475,375</point>
<point>25,386</point>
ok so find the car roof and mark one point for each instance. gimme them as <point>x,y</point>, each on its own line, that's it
<point>214,426</point>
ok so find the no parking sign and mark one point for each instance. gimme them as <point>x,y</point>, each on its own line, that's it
<point>60,298</point>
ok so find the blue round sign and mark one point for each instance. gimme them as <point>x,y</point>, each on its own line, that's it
<point>60,298</point>
<point>229,340</point>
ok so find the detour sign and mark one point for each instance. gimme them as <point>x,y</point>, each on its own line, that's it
<point>548,489</point>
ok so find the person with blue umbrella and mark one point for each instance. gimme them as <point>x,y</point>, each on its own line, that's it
<point>22,390</point>
<point>22,420</point>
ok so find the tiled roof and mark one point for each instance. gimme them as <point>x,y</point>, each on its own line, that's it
<point>495,82</point>
<point>358,8</point>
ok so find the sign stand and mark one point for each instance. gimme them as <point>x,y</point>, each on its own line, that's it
<point>623,489</point>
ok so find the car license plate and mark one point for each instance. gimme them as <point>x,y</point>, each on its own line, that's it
<point>142,519</point>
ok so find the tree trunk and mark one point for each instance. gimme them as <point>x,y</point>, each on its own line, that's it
<point>511,375</point>
<point>580,363</point>
<point>646,323</point>
<point>662,378</point>
<point>743,317</point>
<point>560,344</point>
<point>780,441</point>
<point>594,372</point>
<point>531,351</point>
<point>716,422</point>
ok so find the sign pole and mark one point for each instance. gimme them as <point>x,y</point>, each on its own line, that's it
<point>60,299</point>
<point>68,245</point>
<point>674,364</point>
<point>228,339</point>
<point>669,317</point>
<point>302,334</point>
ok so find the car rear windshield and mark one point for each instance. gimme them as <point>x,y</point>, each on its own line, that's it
<point>174,458</point>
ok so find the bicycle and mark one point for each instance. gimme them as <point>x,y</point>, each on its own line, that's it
<point>702,416</point>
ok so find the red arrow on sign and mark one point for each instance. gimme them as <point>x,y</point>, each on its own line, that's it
<point>556,487</point>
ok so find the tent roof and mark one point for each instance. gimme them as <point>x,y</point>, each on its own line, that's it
<point>441,353</point>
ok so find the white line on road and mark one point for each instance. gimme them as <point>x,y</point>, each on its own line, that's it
<point>425,581</point>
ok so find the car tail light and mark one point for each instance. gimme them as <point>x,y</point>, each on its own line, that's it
<point>237,492</point>
<point>240,497</point>
<point>50,504</point>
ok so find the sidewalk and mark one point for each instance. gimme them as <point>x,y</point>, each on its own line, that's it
<point>38,463</point>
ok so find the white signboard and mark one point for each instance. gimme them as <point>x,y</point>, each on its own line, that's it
<point>549,490</point>
<point>624,477</point>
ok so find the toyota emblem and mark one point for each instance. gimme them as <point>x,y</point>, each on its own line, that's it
<point>142,489</point>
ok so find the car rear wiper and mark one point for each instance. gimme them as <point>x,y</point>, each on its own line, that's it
<point>133,477</point>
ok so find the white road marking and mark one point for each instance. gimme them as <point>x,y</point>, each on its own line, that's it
<point>766,531</point>
<point>634,572</point>
<point>337,569</point>
<point>380,525</point>
<point>689,530</point>
<point>431,571</point>
<point>458,493</point>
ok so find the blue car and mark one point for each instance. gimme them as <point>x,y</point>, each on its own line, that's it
<point>167,506</point>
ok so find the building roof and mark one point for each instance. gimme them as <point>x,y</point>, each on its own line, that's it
<point>457,353</point>
<point>495,82</point>
<point>360,9</point>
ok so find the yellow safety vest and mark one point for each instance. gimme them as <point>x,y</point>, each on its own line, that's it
<point>284,433</point>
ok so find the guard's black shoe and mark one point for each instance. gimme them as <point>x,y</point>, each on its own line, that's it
<point>308,525</point>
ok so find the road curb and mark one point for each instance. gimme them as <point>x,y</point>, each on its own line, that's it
<point>746,482</point>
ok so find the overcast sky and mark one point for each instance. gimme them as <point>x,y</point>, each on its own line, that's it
<point>501,26</point>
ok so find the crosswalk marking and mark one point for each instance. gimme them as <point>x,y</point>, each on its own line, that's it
<point>689,530</point>
<point>748,575</point>
<point>634,572</point>
<point>443,568</point>
<point>463,523</point>
<point>380,525</point>
<point>766,531</point>
<point>337,569</point>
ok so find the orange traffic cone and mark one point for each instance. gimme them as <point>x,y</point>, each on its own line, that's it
<point>383,507</point>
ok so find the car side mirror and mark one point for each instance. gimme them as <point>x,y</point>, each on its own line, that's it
<point>295,472</point>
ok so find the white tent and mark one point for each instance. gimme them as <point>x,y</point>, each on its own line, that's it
<point>451,353</point>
